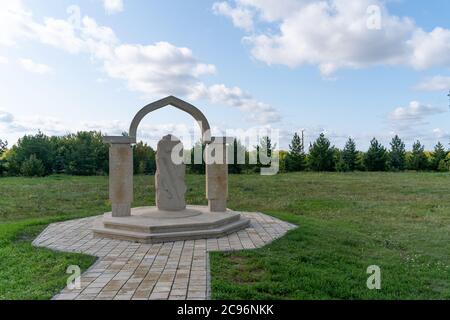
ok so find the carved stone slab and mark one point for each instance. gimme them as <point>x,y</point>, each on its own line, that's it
<point>169,182</point>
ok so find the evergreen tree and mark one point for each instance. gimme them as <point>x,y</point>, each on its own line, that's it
<point>349,155</point>
<point>418,160</point>
<point>321,155</point>
<point>439,154</point>
<point>376,157</point>
<point>237,156</point>
<point>397,154</point>
<point>264,152</point>
<point>199,149</point>
<point>3,146</point>
<point>295,159</point>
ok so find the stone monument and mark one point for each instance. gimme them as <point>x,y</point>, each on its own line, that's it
<point>169,181</point>
<point>171,219</point>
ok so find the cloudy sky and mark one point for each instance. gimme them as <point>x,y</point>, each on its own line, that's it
<point>359,68</point>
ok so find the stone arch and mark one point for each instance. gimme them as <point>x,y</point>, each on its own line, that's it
<point>179,104</point>
<point>121,161</point>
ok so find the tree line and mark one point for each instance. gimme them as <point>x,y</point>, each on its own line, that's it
<point>84,153</point>
<point>322,156</point>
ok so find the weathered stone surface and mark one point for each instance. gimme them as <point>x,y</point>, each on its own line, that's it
<point>169,182</point>
<point>216,175</point>
<point>120,178</point>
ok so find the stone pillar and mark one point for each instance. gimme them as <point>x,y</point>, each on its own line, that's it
<point>170,174</point>
<point>216,174</point>
<point>120,175</point>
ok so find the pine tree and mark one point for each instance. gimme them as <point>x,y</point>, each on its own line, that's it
<point>376,157</point>
<point>321,155</point>
<point>237,156</point>
<point>439,154</point>
<point>198,149</point>
<point>3,146</point>
<point>397,154</point>
<point>418,160</point>
<point>265,149</point>
<point>349,155</point>
<point>295,159</point>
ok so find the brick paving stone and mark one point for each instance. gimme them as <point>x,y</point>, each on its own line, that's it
<point>172,270</point>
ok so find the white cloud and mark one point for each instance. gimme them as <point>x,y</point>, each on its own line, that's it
<point>270,10</point>
<point>17,127</point>
<point>113,6</point>
<point>91,31</point>
<point>154,70</point>
<point>436,83</point>
<point>256,111</point>
<point>3,60</point>
<point>241,17</point>
<point>12,17</point>
<point>440,133</point>
<point>334,34</point>
<point>412,115</point>
<point>6,117</point>
<point>34,67</point>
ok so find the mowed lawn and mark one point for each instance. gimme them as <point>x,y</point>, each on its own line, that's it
<point>347,222</point>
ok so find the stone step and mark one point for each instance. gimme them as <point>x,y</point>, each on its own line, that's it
<point>143,237</point>
<point>185,225</point>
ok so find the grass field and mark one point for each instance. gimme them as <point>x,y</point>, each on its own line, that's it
<point>398,221</point>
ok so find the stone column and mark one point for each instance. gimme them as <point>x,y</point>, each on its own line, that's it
<point>120,175</point>
<point>216,174</point>
<point>170,174</point>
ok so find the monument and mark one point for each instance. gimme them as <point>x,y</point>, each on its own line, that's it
<point>169,181</point>
<point>171,219</point>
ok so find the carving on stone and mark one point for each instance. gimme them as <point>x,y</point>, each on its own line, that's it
<point>169,181</point>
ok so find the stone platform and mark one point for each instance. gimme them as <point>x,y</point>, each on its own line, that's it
<point>151,225</point>
<point>171,270</point>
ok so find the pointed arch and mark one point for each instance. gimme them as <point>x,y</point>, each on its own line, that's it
<point>179,104</point>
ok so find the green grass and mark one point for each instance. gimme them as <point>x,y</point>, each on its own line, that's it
<point>398,221</point>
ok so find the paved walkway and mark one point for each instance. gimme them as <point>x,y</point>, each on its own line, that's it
<point>171,270</point>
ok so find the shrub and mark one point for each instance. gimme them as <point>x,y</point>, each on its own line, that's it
<point>444,164</point>
<point>33,167</point>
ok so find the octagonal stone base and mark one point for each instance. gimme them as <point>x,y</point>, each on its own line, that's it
<point>150,225</point>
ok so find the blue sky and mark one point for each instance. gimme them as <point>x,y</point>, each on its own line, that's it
<point>287,65</point>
